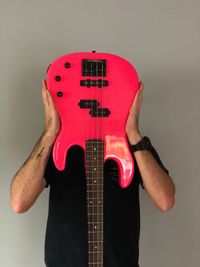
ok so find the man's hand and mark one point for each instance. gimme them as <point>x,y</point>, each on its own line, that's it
<point>132,123</point>
<point>52,120</point>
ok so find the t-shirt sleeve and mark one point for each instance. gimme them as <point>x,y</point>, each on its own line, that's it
<point>49,171</point>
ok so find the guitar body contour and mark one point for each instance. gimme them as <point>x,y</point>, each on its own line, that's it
<point>93,93</point>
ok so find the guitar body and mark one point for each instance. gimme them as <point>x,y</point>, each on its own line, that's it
<point>93,93</point>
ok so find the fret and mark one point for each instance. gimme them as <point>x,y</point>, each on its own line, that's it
<point>92,212</point>
<point>94,140</point>
<point>94,252</point>
<point>92,241</point>
<point>97,207</point>
<point>95,159</point>
<point>95,213</point>
<point>95,148</point>
<point>98,152</point>
<point>90,170</point>
<point>92,180</point>
<point>95,236</point>
<point>94,191</point>
<point>94,169</point>
<point>99,194</point>
<point>91,176</point>
<point>94,198</point>
<point>94,183</point>
<point>96,246</point>
<point>95,263</point>
<point>99,197</point>
<point>93,223</point>
<point>95,228</point>
<point>95,218</point>
<point>95,174</point>
<point>93,206</point>
<point>95,232</point>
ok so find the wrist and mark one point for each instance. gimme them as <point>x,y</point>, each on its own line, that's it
<point>48,137</point>
<point>134,138</point>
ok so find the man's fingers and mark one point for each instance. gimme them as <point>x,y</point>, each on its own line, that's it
<point>141,85</point>
<point>45,92</point>
<point>45,99</point>
<point>51,102</point>
<point>140,92</point>
<point>138,98</point>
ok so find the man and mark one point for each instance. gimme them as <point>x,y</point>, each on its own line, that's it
<point>66,233</point>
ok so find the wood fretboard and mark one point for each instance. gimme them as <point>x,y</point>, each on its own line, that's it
<point>94,179</point>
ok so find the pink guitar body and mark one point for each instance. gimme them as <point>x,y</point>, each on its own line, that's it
<point>93,93</point>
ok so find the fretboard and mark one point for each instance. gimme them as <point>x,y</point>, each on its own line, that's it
<point>94,179</point>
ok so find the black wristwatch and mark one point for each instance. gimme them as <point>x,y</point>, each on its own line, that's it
<point>144,144</point>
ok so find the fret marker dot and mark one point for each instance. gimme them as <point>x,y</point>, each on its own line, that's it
<point>95,181</point>
<point>94,148</point>
<point>95,169</point>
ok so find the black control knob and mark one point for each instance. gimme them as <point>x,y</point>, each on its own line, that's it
<point>67,65</point>
<point>57,78</point>
<point>59,94</point>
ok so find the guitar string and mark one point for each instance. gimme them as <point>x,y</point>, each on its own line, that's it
<point>102,174</point>
<point>100,206</point>
<point>98,192</point>
<point>96,177</point>
<point>100,178</point>
<point>92,180</point>
<point>89,167</point>
<point>97,151</point>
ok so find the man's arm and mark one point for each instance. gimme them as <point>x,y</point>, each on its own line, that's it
<point>29,182</point>
<point>157,182</point>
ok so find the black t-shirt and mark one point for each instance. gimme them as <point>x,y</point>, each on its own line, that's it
<point>66,232</point>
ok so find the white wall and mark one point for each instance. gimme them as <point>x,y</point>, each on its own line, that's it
<point>162,40</point>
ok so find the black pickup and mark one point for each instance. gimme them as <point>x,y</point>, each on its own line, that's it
<point>88,83</point>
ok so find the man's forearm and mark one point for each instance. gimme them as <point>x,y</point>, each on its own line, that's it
<point>28,182</point>
<point>156,181</point>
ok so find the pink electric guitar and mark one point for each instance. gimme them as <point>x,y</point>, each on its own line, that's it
<point>93,93</point>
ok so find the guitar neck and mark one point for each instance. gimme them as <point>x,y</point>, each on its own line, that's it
<point>94,179</point>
